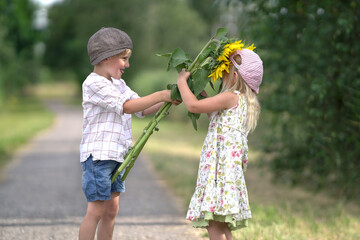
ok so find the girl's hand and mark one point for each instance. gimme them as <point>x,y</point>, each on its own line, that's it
<point>183,76</point>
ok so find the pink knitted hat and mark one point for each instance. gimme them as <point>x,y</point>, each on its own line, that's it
<point>250,69</point>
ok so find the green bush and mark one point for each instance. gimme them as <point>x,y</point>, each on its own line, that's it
<point>312,83</point>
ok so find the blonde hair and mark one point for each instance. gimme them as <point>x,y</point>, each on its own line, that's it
<point>123,53</point>
<point>253,105</point>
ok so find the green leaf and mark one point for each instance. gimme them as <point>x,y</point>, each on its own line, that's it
<point>193,119</point>
<point>164,55</point>
<point>220,86</point>
<point>181,66</point>
<point>196,115</point>
<point>175,93</point>
<point>177,57</point>
<point>221,32</point>
<point>190,83</point>
<point>206,52</point>
<point>212,85</point>
<point>206,63</point>
<point>200,80</point>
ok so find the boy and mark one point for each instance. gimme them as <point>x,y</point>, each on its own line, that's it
<point>107,105</point>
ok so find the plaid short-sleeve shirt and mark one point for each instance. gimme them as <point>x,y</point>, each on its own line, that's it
<point>106,131</point>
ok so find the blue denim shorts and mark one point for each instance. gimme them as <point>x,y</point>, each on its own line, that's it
<point>96,179</point>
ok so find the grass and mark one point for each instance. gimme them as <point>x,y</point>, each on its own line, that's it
<point>279,211</point>
<point>20,119</point>
<point>173,154</point>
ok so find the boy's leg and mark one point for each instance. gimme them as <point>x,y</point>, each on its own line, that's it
<point>111,209</point>
<point>93,215</point>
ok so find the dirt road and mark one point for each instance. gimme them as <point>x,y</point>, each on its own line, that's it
<point>41,196</point>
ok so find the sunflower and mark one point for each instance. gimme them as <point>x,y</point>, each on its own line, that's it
<point>218,73</point>
<point>223,61</point>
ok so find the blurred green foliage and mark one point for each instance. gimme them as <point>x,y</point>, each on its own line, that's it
<point>149,81</point>
<point>18,63</point>
<point>311,82</point>
<point>312,86</point>
<point>154,26</point>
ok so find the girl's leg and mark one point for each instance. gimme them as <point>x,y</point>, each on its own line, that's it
<point>227,232</point>
<point>219,231</point>
<point>216,231</point>
<point>111,209</point>
<point>91,220</point>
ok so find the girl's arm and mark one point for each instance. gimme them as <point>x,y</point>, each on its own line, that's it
<point>204,94</point>
<point>156,107</point>
<point>152,109</point>
<point>223,100</point>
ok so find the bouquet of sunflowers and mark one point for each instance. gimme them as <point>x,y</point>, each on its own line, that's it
<point>207,67</point>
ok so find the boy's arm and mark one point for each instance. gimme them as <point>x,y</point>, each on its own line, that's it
<point>144,103</point>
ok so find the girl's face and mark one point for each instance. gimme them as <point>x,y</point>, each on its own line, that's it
<point>230,79</point>
<point>116,65</point>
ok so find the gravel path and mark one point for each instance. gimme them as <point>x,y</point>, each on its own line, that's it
<point>41,196</point>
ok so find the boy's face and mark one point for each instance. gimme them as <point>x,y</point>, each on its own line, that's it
<point>116,65</point>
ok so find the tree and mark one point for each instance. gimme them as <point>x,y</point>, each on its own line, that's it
<point>17,40</point>
<point>312,85</point>
<point>209,11</point>
<point>155,27</point>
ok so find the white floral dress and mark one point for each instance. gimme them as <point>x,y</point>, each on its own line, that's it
<point>220,192</point>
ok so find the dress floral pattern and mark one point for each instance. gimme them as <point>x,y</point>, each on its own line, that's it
<point>220,192</point>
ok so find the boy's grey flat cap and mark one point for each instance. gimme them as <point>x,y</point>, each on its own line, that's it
<point>107,42</point>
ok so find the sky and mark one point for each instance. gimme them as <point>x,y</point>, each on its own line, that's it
<point>46,3</point>
<point>41,14</point>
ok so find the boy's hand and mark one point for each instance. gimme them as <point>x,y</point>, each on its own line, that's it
<point>167,97</point>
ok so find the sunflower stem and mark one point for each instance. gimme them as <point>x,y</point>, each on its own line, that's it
<point>196,62</point>
<point>134,152</point>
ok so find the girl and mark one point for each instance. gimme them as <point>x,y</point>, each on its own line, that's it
<point>220,202</point>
